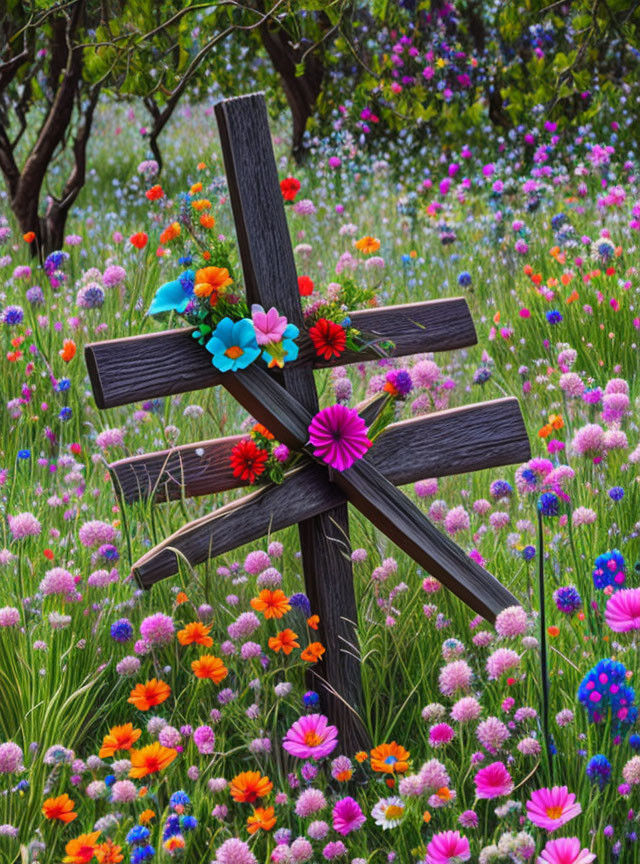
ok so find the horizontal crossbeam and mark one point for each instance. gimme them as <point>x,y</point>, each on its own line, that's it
<point>455,441</point>
<point>153,365</point>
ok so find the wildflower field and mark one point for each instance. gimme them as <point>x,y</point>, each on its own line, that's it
<point>177,722</point>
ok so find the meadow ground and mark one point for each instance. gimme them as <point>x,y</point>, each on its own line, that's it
<point>546,254</point>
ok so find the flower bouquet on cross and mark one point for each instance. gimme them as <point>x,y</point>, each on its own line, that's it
<point>208,296</point>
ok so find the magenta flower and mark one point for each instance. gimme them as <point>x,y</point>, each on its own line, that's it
<point>623,610</point>
<point>269,326</point>
<point>447,847</point>
<point>565,851</point>
<point>552,808</point>
<point>311,737</point>
<point>493,781</point>
<point>347,816</point>
<point>339,436</point>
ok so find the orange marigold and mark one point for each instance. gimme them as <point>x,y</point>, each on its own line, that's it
<point>249,785</point>
<point>274,604</point>
<point>210,667</point>
<point>145,696</point>
<point>150,759</point>
<point>68,350</point>
<point>313,652</point>
<point>29,237</point>
<point>390,758</point>
<point>170,233</point>
<point>285,641</point>
<point>119,738</point>
<point>210,282</point>
<point>195,632</point>
<point>201,204</point>
<point>146,816</point>
<point>207,220</point>
<point>81,849</point>
<point>109,853</point>
<point>313,621</point>
<point>60,808</point>
<point>263,817</point>
<point>368,245</point>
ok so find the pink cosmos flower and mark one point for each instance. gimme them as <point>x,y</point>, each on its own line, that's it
<point>339,436</point>
<point>447,847</point>
<point>311,737</point>
<point>623,610</point>
<point>347,816</point>
<point>565,851</point>
<point>493,781</point>
<point>269,326</point>
<point>552,808</point>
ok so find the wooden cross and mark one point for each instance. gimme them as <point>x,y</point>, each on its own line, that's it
<point>313,496</point>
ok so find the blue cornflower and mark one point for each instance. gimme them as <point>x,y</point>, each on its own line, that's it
<point>24,454</point>
<point>616,493</point>
<point>567,599</point>
<point>406,259</point>
<point>604,693</point>
<point>121,630</point>
<point>500,489</point>
<point>558,220</point>
<point>109,552</point>
<point>529,552</point>
<point>481,375</point>
<point>142,853</point>
<point>63,385</point>
<point>179,799</point>
<point>464,279</point>
<point>171,826</point>
<point>188,823</point>
<point>599,770</point>
<point>139,834</point>
<point>109,780</point>
<point>609,570</point>
<point>65,413</point>
<point>301,601</point>
<point>605,251</point>
<point>54,261</point>
<point>548,504</point>
<point>553,316</point>
<point>310,699</point>
<point>634,742</point>
<point>13,315</point>
<point>185,260</point>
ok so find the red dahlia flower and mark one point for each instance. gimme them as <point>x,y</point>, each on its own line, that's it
<point>305,286</point>
<point>247,460</point>
<point>329,339</point>
<point>289,188</point>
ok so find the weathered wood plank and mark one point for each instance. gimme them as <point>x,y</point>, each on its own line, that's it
<point>456,441</point>
<point>152,365</point>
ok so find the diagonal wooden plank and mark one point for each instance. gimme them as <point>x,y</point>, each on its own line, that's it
<point>153,365</point>
<point>455,441</point>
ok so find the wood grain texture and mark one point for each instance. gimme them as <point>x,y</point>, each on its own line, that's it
<point>154,365</point>
<point>455,441</point>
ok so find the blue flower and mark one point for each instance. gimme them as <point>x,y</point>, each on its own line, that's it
<point>310,699</point>
<point>500,489</point>
<point>24,454</point>
<point>616,493</point>
<point>121,630</point>
<point>109,780</point>
<point>553,316</point>
<point>464,279</point>
<point>233,346</point>
<point>301,601</point>
<point>63,385</point>
<point>188,823</point>
<point>171,826</point>
<point>174,296</point>
<point>604,693</point>
<point>529,552</point>
<point>109,552</point>
<point>567,599</point>
<point>138,835</point>
<point>65,413</point>
<point>609,570</point>
<point>13,315</point>
<point>142,853</point>
<point>548,504</point>
<point>599,770</point>
<point>634,742</point>
<point>179,799</point>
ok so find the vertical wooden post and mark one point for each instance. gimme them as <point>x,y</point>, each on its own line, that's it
<point>271,279</point>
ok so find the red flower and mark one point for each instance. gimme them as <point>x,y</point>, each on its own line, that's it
<point>329,339</point>
<point>247,460</point>
<point>305,286</point>
<point>155,193</point>
<point>289,188</point>
<point>139,240</point>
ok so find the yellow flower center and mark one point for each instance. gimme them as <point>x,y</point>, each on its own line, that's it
<point>393,811</point>
<point>312,739</point>
<point>233,352</point>
<point>554,812</point>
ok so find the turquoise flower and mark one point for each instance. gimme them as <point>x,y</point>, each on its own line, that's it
<point>174,296</point>
<point>233,346</point>
<point>285,351</point>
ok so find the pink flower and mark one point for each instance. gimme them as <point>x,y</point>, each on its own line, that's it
<point>347,816</point>
<point>454,677</point>
<point>512,621</point>
<point>310,801</point>
<point>311,737</point>
<point>157,629</point>
<point>440,734</point>
<point>234,851</point>
<point>493,781</point>
<point>501,661</point>
<point>623,610</point>
<point>447,847</point>
<point>269,326</point>
<point>565,851</point>
<point>24,525</point>
<point>552,808</point>
<point>339,436</point>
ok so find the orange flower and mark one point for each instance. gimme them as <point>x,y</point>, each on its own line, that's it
<point>553,630</point>
<point>119,738</point>
<point>145,696</point>
<point>81,849</point>
<point>390,758</point>
<point>197,187</point>
<point>173,843</point>
<point>201,204</point>
<point>150,759</point>
<point>344,776</point>
<point>527,269</point>
<point>207,221</point>
<point>313,652</point>
<point>426,817</point>
<point>313,621</point>
<point>155,192</point>
<point>29,237</point>
<point>444,794</point>
<point>368,245</point>
<point>181,597</point>
<point>262,818</point>
<point>361,756</point>
<point>146,816</point>
<point>210,667</point>
<point>195,632</point>
<point>259,429</point>
<point>139,240</point>
<point>572,297</point>
<point>285,641</point>
<point>170,233</point>
<point>545,431</point>
<point>210,282</point>
<point>249,785</point>
<point>536,278</point>
<point>274,604</point>
<point>109,853</point>
<point>60,808</point>
<point>201,166</point>
<point>68,351</point>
